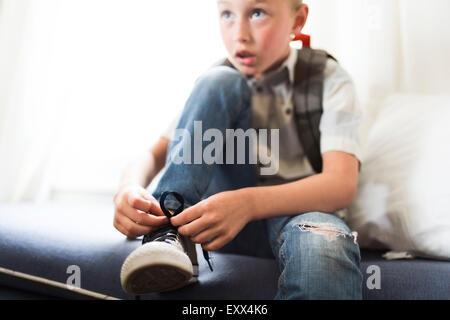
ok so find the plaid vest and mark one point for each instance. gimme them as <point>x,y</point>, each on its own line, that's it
<point>308,95</point>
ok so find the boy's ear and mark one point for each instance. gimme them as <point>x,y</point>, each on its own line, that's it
<point>300,18</point>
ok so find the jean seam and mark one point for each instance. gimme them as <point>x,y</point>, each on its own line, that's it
<point>282,279</point>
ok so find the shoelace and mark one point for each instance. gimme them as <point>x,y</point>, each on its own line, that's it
<point>170,232</point>
<point>165,234</point>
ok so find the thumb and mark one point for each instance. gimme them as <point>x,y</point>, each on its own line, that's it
<point>149,204</point>
<point>152,204</point>
<point>154,208</point>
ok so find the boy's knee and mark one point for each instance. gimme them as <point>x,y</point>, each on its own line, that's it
<point>320,220</point>
<point>320,235</point>
<point>225,79</point>
<point>326,240</point>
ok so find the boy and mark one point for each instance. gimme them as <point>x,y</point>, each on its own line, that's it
<point>256,88</point>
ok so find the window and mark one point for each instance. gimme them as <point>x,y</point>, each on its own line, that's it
<point>128,68</point>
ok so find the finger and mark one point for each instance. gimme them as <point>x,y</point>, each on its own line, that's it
<point>144,193</point>
<point>194,227</point>
<point>122,230</point>
<point>132,229</point>
<point>155,209</point>
<point>187,215</point>
<point>137,201</point>
<point>216,243</point>
<point>143,218</point>
<point>206,236</point>
<point>127,229</point>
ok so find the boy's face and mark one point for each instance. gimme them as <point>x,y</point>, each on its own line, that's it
<point>256,33</point>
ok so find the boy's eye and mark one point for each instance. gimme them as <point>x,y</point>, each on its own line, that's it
<point>226,14</point>
<point>258,14</point>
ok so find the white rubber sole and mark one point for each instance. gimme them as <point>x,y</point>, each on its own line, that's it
<point>155,267</point>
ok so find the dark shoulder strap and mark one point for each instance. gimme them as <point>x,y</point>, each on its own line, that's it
<point>308,94</point>
<point>223,62</point>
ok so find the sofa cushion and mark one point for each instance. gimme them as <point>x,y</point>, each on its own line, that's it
<point>39,242</point>
<point>408,279</point>
<point>403,197</point>
<point>44,240</point>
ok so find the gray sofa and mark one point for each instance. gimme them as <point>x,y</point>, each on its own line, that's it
<point>38,243</point>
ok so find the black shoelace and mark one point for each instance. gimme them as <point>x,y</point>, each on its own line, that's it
<point>165,234</point>
<point>170,232</point>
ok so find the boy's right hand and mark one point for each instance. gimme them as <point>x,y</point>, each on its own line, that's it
<point>137,212</point>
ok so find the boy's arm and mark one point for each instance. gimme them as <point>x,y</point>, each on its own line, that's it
<point>215,221</point>
<point>143,169</point>
<point>132,201</point>
<point>329,191</point>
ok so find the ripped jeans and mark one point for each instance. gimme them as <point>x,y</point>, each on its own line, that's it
<point>317,254</point>
<point>318,257</point>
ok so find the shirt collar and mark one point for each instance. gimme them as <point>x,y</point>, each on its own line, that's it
<point>290,63</point>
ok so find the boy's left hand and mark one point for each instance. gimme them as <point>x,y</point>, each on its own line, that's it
<point>215,221</point>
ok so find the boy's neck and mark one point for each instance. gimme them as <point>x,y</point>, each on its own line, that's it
<point>275,66</point>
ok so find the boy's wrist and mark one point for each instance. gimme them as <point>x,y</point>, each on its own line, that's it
<point>249,197</point>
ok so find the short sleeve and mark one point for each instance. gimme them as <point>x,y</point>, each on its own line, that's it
<point>339,125</point>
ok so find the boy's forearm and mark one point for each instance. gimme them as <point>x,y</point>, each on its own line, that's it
<point>140,171</point>
<point>321,192</point>
<point>146,166</point>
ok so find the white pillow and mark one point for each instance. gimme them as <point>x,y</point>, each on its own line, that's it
<point>403,197</point>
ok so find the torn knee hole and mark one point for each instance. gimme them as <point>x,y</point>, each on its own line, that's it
<point>328,231</point>
<point>309,227</point>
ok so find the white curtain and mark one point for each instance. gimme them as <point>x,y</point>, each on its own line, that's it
<point>29,117</point>
<point>85,84</point>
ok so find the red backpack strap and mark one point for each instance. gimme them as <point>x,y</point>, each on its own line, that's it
<point>304,38</point>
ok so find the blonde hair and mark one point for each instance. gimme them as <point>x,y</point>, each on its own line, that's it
<point>295,4</point>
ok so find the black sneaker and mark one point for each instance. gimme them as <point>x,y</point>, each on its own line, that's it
<point>166,260</point>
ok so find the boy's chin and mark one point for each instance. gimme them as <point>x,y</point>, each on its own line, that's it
<point>249,72</point>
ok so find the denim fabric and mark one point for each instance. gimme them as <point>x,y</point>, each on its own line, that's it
<point>220,99</point>
<point>317,254</point>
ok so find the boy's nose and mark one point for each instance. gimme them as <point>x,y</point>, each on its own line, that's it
<point>242,32</point>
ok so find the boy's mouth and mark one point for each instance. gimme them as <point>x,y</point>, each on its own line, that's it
<point>245,57</point>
